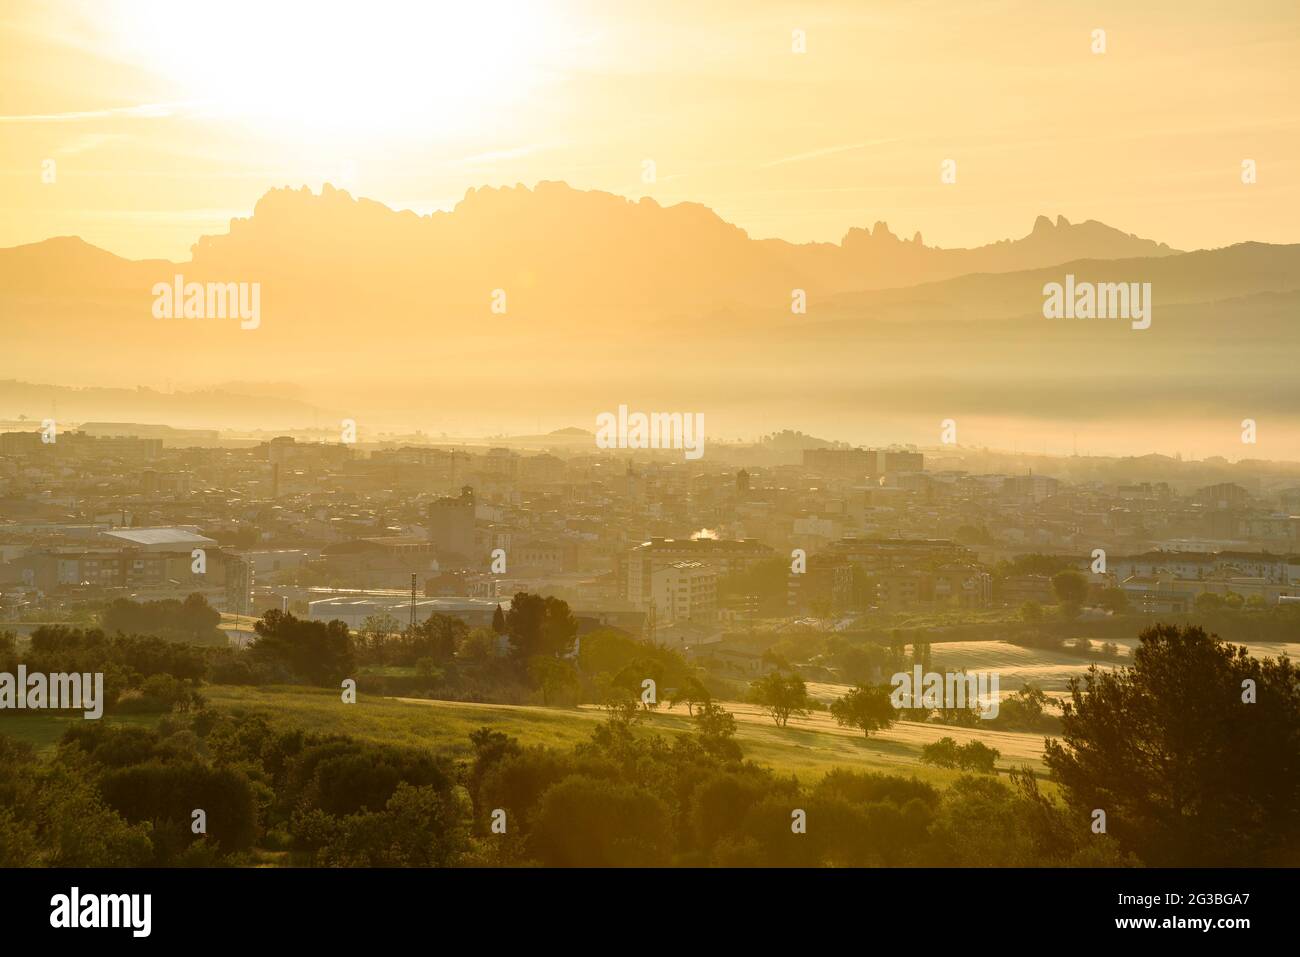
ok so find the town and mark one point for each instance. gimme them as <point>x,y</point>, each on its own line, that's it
<point>684,553</point>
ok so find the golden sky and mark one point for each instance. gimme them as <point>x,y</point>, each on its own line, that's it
<point>166,118</point>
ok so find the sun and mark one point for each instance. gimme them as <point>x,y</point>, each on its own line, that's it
<point>380,68</point>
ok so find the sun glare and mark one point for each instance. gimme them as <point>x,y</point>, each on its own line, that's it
<point>331,69</point>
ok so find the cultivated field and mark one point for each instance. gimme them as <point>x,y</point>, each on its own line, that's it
<point>1017,665</point>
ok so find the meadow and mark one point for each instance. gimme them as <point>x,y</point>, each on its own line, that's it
<point>808,748</point>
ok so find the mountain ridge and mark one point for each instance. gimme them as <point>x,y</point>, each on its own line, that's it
<point>551,238</point>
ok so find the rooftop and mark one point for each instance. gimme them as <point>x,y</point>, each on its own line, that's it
<point>160,536</point>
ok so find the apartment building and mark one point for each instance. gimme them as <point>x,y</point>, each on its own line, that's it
<point>684,591</point>
<point>724,556</point>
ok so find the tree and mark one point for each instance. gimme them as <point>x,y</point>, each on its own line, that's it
<point>499,621</point>
<point>197,616</point>
<point>608,651</point>
<point>1031,612</point>
<point>1070,587</point>
<point>717,731</point>
<point>163,692</point>
<point>689,691</point>
<point>972,756</point>
<point>587,822</point>
<point>479,646</point>
<point>192,620</point>
<point>375,629</point>
<point>419,826</point>
<point>630,679</point>
<point>428,669</point>
<point>1191,752</point>
<point>556,678</point>
<point>437,637</point>
<point>775,659</point>
<point>866,707</point>
<point>941,753</point>
<point>539,626</point>
<point>978,757</point>
<point>81,830</point>
<point>319,653</point>
<point>781,696</point>
<point>1115,600</point>
<point>491,747</point>
<point>166,794</point>
<point>1208,601</point>
<point>862,663</point>
<point>1024,711</point>
<point>720,802</point>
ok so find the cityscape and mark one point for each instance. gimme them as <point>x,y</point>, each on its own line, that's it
<point>449,452</point>
<point>327,529</point>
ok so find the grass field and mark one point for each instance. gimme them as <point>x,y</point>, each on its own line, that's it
<point>44,730</point>
<point>1273,649</point>
<point>807,748</point>
<point>1016,665</point>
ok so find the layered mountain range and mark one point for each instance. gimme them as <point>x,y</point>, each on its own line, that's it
<point>557,246</point>
<point>569,302</point>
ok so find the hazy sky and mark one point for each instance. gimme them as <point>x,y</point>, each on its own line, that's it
<point>167,118</point>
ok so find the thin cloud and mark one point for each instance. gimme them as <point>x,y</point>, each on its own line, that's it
<point>88,141</point>
<point>826,151</point>
<point>143,111</point>
<point>497,156</point>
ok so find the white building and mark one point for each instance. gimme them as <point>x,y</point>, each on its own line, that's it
<point>723,555</point>
<point>684,591</point>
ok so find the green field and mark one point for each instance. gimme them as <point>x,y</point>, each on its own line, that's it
<point>807,749</point>
<point>44,730</point>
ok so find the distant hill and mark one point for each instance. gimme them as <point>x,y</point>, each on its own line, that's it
<point>387,317</point>
<point>206,409</point>
<point>553,241</point>
<point>553,248</point>
<point>1204,276</point>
